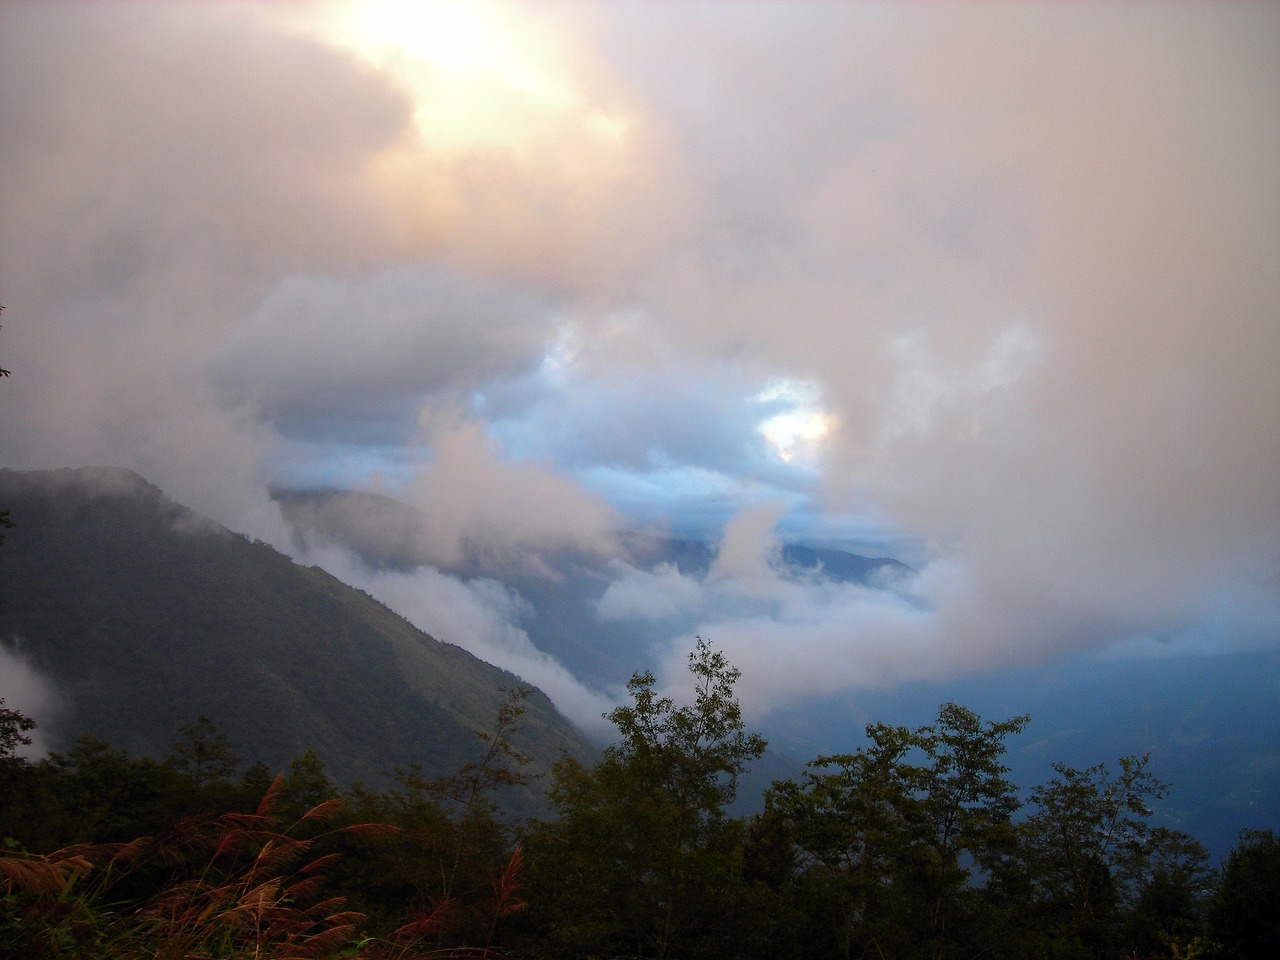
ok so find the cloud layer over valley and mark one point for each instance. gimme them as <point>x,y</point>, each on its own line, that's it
<point>988,288</point>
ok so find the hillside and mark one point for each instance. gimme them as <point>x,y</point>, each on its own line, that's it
<point>145,615</point>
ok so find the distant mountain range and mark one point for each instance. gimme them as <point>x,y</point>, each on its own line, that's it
<point>145,615</point>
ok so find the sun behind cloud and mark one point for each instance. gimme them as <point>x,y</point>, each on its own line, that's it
<point>478,73</point>
<point>797,433</point>
<point>522,152</point>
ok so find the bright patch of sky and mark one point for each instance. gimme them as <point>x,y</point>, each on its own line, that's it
<point>687,500</point>
<point>797,432</point>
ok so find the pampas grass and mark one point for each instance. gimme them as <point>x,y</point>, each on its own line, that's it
<point>232,887</point>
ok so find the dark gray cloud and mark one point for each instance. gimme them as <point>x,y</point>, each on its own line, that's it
<point>335,359</point>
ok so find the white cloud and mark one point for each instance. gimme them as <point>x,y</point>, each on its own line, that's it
<point>476,505</point>
<point>29,692</point>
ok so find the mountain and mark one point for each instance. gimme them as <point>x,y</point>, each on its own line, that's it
<point>145,615</point>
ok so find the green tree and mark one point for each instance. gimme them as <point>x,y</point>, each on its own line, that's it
<point>966,804</point>
<point>306,785</point>
<point>894,831</point>
<point>1086,846</point>
<point>1172,887</point>
<point>18,804</point>
<point>254,781</point>
<point>451,849</point>
<point>854,819</point>
<point>203,754</point>
<point>644,858</point>
<point>104,795</point>
<point>14,727</point>
<point>1244,914</point>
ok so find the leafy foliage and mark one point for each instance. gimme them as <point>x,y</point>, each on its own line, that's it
<point>204,753</point>
<point>644,849</point>
<point>895,830</point>
<point>908,846</point>
<point>1086,842</point>
<point>245,882</point>
<point>1245,912</point>
<point>14,727</point>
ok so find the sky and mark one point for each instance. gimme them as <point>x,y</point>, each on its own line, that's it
<point>989,288</point>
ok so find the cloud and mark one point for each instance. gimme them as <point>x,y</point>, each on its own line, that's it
<point>24,689</point>
<point>1035,294</point>
<point>654,595</point>
<point>480,615</point>
<point>799,634</point>
<point>166,164</point>
<point>539,280</point>
<point>610,402</point>
<point>322,355</point>
<point>525,153</point>
<point>476,506</point>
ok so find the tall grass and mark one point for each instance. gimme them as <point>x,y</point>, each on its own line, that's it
<point>238,886</point>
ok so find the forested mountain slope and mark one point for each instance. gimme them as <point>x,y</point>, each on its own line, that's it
<point>145,615</point>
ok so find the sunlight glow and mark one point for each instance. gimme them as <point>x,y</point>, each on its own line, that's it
<point>516,127</point>
<point>478,71</point>
<point>797,434</point>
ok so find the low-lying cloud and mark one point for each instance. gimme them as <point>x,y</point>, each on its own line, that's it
<point>26,690</point>
<point>480,615</point>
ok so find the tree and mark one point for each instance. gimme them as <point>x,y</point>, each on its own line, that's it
<point>644,855</point>
<point>104,796</point>
<point>306,785</point>
<point>1244,915</point>
<point>897,827</point>
<point>1172,887</point>
<point>452,847</point>
<point>203,754</point>
<point>1086,846</point>
<point>14,727</point>
<point>450,861</point>
<point>966,802</point>
<point>16,772</point>
<point>853,819</point>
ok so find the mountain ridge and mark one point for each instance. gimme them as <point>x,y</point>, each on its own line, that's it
<point>144,614</point>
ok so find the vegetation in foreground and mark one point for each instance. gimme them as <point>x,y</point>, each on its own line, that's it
<point>915,845</point>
